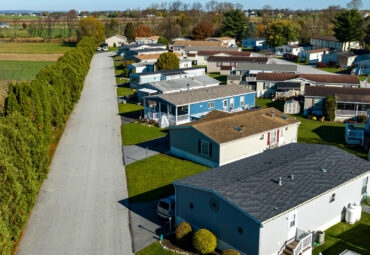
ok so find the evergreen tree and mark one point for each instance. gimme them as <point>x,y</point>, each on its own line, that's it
<point>163,40</point>
<point>233,24</point>
<point>348,26</point>
<point>129,31</point>
<point>281,32</point>
<point>251,30</point>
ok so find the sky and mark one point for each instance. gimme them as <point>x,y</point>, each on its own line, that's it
<point>99,5</point>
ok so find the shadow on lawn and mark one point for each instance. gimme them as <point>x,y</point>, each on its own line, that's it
<point>161,144</point>
<point>133,114</point>
<point>340,246</point>
<point>331,134</point>
<point>357,236</point>
<point>279,104</point>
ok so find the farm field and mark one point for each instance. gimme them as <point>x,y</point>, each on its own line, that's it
<point>21,70</point>
<point>35,48</point>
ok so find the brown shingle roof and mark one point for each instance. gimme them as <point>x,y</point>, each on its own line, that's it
<point>319,91</point>
<point>353,98</point>
<point>326,37</point>
<point>238,59</point>
<point>152,56</point>
<point>231,53</point>
<point>320,78</point>
<point>198,43</point>
<point>317,50</point>
<point>221,127</point>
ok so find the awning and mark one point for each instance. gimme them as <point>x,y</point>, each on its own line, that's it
<point>149,91</point>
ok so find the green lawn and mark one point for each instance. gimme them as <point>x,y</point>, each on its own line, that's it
<point>220,77</point>
<point>124,91</point>
<point>312,131</point>
<point>118,71</point>
<point>152,178</point>
<point>129,108</point>
<point>135,133</point>
<point>154,249</point>
<point>35,48</point>
<point>344,236</point>
<point>21,70</point>
<point>362,78</point>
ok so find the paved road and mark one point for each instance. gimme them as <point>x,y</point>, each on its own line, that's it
<point>79,209</point>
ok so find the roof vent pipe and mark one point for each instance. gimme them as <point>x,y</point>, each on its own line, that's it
<point>209,90</point>
<point>280,181</point>
<point>188,86</point>
<point>292,176</point>
<point>272,113</point>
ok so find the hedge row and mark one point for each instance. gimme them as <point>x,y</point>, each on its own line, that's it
<point>31,112</point>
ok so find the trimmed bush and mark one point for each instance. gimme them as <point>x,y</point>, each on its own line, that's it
<point>31,112</point>
<point>330,106</point>
<point>230,252</point>
<point>322,65</point>
<point>183,233</point>
<point>204,241</point>
<point>361,118</point>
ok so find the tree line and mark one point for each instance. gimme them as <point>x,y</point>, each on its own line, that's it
<point>32,111</point>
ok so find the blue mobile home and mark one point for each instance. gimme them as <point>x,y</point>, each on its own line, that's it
<point>185,106</point>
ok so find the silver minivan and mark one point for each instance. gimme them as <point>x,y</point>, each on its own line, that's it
<point>166,207</point>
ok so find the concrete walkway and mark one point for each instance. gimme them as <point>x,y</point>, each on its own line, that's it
<point>81,208</point>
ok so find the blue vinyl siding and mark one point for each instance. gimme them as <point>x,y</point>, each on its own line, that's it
<point>203,106</point>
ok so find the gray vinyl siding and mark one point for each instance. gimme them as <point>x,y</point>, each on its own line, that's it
<point>224,223</point>
<point>186,139</point>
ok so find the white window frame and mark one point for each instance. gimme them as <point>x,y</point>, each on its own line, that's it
<point>211,105</point>
<point>232,103</point>
<point>225,105</point>
<point>204,146</point>
<point>365,182</point>
<point>292,219</point>
<point>242,102</point>
<point>275,138</point>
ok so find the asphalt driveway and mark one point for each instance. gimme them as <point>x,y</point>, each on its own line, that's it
<point>78,210</point>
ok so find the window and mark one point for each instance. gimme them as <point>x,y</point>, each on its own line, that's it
<point>225,103</point>
<point>364,185</point>
<point>241,101</point>
<point>213,204</point>
<point>231,103</point>
<point>240,230</point>
<point>273,137</point>
<point>205,148</point>
<point>211,105</point>
<point>292,220</point>
<point>332,198</point>
<point>191,205</point>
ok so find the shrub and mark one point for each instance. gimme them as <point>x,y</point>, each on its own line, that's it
<point>361,118</point>
<point>183,233</point>
<point>330,106</point>
<point>230,252</point>
<point>204,241</point>
<point>322,65</point>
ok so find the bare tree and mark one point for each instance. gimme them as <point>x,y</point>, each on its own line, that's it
<point>354,5</point>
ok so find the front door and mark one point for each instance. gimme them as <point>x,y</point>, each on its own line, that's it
<point>292,225</point>
<point>225,104</point>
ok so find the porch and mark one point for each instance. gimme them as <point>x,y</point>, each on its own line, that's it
<point>156,110</point>
<point>349,109</point>
<point>302,242</point>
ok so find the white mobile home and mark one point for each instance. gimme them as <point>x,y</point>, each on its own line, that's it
<point>273,202</point>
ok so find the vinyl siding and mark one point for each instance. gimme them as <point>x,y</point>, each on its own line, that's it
<point>224,223</point>
<point>310,216</point>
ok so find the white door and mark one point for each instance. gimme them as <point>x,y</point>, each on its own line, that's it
<point>292,225</point>
<point>225,104</point>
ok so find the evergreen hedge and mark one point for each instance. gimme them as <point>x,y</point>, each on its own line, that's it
<point>31,112</point>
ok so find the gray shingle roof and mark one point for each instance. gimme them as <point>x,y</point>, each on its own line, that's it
<point>251,183</point>
<point>168,86</point>
<point>170,72</point>
<point>199,95</point>
<point>210,48</point>
<point>266,67</point>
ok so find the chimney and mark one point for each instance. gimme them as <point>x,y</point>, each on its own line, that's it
<point>280,181</point>
<point>272,113</point>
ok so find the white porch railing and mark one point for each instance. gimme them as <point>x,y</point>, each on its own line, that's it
<point>303,243</point>
<point>350,113</point>
<point>171,118</point>
<point>183,118</point>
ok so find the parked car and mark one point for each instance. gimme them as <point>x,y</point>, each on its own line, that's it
<point>166,207</point>
<point>105,48</point>
<point>98,49</point>
<point>289,56</point>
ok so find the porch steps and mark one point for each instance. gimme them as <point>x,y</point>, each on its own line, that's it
<point>289,248</point>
